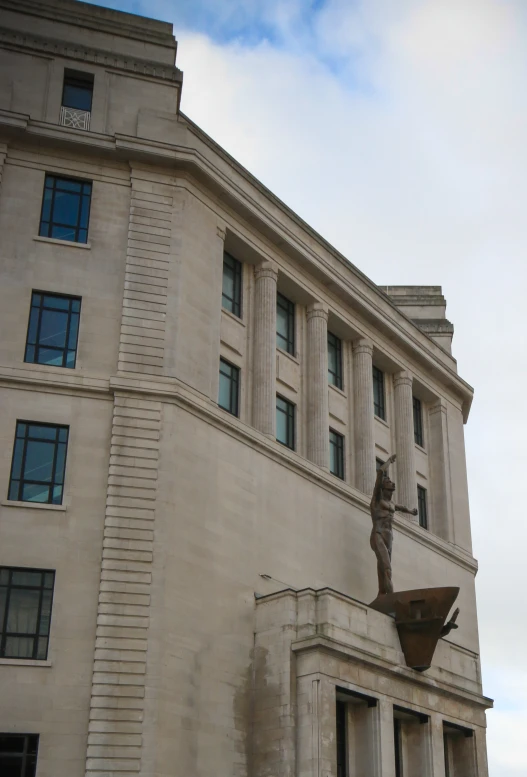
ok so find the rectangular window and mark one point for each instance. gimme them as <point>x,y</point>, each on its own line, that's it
<point>334,360</point>
<point>39,461</point>
<point>422,507</point>
<point>418,422</point>
<point>336,454</point>
<point>285,422</point>
<point>231,295</point>
<point>378,393</point>
<point>342,745</point>
<point>285,324</point>
<point>397,743</point>
<point>18,755</point>
<point>77,94</point>
<point>65,209</point>
<point>229,391</point>
<point>26,597</point>
<point>53,330</point>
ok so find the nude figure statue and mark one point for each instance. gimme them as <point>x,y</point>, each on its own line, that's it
<point>382,512</point>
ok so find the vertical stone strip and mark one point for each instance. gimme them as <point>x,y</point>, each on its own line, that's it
<point>406,493</point>
<point>363,415</point>
<point>441,512</point>
<point>264,361</point>
<point>141,347</point>
<point>317,385</point>
<point>118,686</point>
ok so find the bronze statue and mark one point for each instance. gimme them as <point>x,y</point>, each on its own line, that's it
<point>382,512</point>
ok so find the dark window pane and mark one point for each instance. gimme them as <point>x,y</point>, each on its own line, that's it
<point>336,454</point>
<point>42,648</point>
<point>285,324</point>
<point>53,327</point>
<point>65,209</point>
<point>33,326</point>
<point>3,596</point>
<point>11,766</point>
<point>23,611</point>
<point>334,360</point>
<point>229,387</point>
<point>285,422</point>
<point>38,473</point>
<point>418,422</point>
<point>422,507</point>
<point>378,393</point>
<point>19,647</point>
<point>231,285</point>
<point>25,625</point>
<point>21,429</point>
<point>72,337</point>
<point>12,744</point>
<point>50,356</point>
<point>26,578</point>
<point>45,613</point>
<point>77,97</point>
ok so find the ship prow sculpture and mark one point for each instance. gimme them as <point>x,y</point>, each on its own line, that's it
<point>420,615</point>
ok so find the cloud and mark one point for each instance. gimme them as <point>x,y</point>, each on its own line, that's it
<point>398,131</point>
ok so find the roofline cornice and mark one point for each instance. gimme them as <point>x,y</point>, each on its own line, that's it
<point>344,279</point>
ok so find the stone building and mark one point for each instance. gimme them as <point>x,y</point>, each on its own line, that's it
<point>195,389</point>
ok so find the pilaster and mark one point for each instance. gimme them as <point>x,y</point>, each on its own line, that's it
<point>406,493</point>
<point>364,436</point>
<point>441,503</point>
<point>317,385</point>
<point>264,360</point>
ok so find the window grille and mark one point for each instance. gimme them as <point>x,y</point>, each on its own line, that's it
<point>38,464</point>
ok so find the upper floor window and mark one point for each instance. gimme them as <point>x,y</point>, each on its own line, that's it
<point>65,209</point>
<point>229,390</point>
<point>422,507</point>
<point>285,324</point>
<point>39,461</point>
<point>18,755</point>
<point>25,612</point>
<point>53,330</point>
<point>285,422</point>
<point>231,294</point>
<point>334,360</point>
<point>379,407</point>
<point>418,422</point>
<point>77,94</point>
<point>336,454</point>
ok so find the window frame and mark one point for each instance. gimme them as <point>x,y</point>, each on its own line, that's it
<point>37,635</point>
<point>28,755</point>
<point>80,79</point>
<point>419,436</point>
<point>337,376</point>
<point>379,403</point>
<point>338,446</point>
<point>21,480</point>
<point>289,338</point>
<point>234,388</point>
<point>290,414</point>
<point>36,345</point>
<point>46,226</point>
<point>422,506</point>
<point>237,270</point>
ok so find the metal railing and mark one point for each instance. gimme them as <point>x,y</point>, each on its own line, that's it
<point>74,117</point>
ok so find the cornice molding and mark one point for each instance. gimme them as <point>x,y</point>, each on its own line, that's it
<point>55,47</point>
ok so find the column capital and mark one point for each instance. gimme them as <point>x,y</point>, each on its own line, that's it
<point>317,310</point>
<point>221,231</point>
<point>363,345</point>
<point>403,378</point>
<point>438,407</point>
<point>266,269</point>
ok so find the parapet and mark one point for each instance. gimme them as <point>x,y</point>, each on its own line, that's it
<point>426,307</point>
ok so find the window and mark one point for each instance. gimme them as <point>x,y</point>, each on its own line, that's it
<point>458,749</point>
<point>342,754</point>
<point>77,94</point>
<point>18,755</point>
<point>25,611</point>
<point>53,329</point>
<point>418,422</point>
<point>336,454</point>
<point>422,509</point>
<point>65,209</point>
<point>397,743</point>
<point>39,460</point>
<point>229,387</point>
<point>285,422</point>
<point>378,393</point>
<point>334,360</point>
<point>231,295</point>
<point>285,324</point>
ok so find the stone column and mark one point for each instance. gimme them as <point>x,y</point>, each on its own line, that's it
<point>384,739</point>
<point>264,360</point>
<point>364,437</point>
<point>317,385</point>
<point>440,502</point>
<point>406,482</point>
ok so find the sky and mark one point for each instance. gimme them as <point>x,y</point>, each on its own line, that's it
<point>398,129</point>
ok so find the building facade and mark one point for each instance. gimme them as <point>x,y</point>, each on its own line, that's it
<point>195,390</point>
